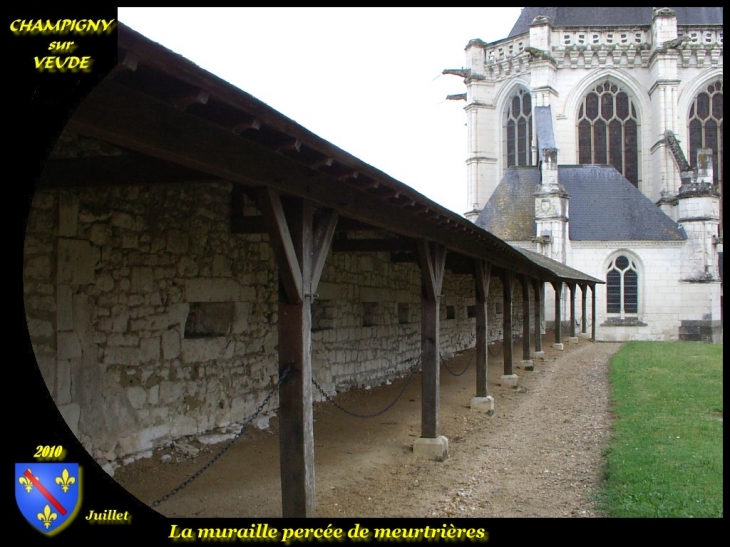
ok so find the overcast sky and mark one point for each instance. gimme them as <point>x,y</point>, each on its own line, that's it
<point>366,79</point>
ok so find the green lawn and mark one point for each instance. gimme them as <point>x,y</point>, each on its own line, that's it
<point>665,458</point>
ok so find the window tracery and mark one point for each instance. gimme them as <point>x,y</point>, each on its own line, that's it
<point>608,127</point>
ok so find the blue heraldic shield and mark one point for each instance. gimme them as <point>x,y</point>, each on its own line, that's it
<point>48,494</point>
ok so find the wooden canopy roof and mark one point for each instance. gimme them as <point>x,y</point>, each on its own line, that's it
<point>174,121</point>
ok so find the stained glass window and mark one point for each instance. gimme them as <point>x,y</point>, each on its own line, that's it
<point>608,130</point>
<point>518,129</point>
<point>705,127</point>
<point>622,287</point>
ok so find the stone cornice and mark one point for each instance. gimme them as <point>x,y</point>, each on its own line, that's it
<point>583,244</point>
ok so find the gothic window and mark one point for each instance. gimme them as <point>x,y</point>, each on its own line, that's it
<point>622,287</point>
<point>705,127</point>
<point>608,129</point>
<point>518,129</point>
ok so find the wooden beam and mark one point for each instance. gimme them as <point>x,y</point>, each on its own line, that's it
<point>240,223</point>
<point>539,290</point>
<point>507,280</point>
<point>482,270</point>
<point>291,144</point>
<point>269,202</point>
<point>323,234</point>
<point>432,259</point>
<point>593,312</point>
<point>123,170</point>
<point>129,63</point>
<point>199,97</point>
<point>296,423</point>
<point>131,119</point>
<point>558,286</point>
<point>584,309</point>
<point>571,286</point>
<point>325,161</point>
<point>525,317</point>
<point>252,123</point>
<point>400,257</point>
<point>387,245</point>
<point>248,224</point>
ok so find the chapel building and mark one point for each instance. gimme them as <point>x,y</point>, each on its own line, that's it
<point>595,138</point>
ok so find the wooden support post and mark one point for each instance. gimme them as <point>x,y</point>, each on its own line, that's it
<point>527,362</point>
<point>481,279</point>
<point>507,280</point>
<point>481,402</point>
<point>593,312</point>
<point>539,290</point>
<point>300,252</point>
<point>558,286</point>
<point>573,338</point>
<point>432,260</point>
<point>584,310</point>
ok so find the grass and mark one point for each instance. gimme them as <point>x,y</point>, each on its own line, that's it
<point>665,457</point>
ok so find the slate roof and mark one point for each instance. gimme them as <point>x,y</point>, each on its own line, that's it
<point>603,206</point>
<point>510,212</point>
<point>564,272</point>
<point>544,125</point>
<point>624,16</point>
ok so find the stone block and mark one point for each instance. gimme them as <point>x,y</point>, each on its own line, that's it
<point>539,355</point>
<point>40,328</point>
<point>509,380</point>
<point>137,396</point>
<point>573,340</point>
<point>69,346</point>
<point>482,404</point>
<point>433,449</point>
<point>149,349</point>
<point>38,268</point>
<point>76,262</point>
<point>177,242</point>
<point>68,213</point>
<point>559,346</point>
<point>121,356</point>
<point>212,290</point>
<point>142,279</point>
<point>171,344</point>
<point>527,364</point>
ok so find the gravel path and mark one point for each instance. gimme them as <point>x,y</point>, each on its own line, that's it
<point>538,456</point>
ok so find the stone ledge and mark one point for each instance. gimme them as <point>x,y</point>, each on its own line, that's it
<point>628,322</point>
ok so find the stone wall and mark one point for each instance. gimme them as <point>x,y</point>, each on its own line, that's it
<point>151,321</point>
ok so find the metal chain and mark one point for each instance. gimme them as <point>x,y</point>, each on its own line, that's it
<point>489,346</point>
<point>458,373</point>
<point>355,415</point>
<point>215,458</point>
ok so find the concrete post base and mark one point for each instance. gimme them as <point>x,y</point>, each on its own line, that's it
<point>483,404</point>
<point>509,380</point>
<point>539,355</point>
<point>583,335</point>
<point>527,364</point>
<point>573,340</point>
<point>559,346</point>
<point>433,449</point>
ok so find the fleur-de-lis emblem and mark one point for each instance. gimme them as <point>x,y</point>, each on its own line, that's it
<point>46,517</point>
<point>26,483</point>
<point>65,481</point>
